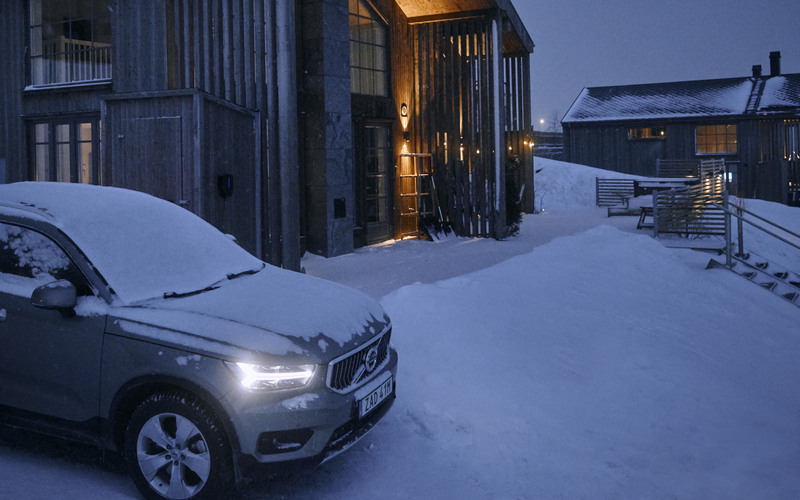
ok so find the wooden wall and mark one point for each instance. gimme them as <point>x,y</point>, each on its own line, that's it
<point>243,53</point>
<point>176,144</point>
<point>13,164</point>
<point>761,166</point>
<point>457,109</point>
<point>139,45</point>
<point>518,126</point>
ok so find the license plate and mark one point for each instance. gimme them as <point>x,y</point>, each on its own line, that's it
<point>374,398</point>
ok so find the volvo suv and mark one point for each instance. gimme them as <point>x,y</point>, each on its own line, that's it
<point>130,323</point>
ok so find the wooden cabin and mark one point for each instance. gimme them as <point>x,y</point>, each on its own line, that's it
<point>298,125</point>
<point>753,123</point>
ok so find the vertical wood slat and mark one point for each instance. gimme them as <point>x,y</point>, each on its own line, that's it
<point>205,26</point>
<point>476,117</point>
<point>227,46</point>
<point>461,81</point>
<point>198,68</point>
<point>467,197</point>
<point>217,87</point>
<point>236,48</point>
<point>247,50</point>
<point>186,48</point>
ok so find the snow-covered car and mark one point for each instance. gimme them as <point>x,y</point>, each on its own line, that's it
<point>130,323</point>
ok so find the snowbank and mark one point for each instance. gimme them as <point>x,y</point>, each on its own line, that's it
<point>582,359</point>
<point>562,186</point>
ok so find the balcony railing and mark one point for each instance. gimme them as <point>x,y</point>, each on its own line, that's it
<point>66,60</point>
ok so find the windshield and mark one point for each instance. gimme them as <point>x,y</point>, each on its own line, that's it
<point>143,246</point>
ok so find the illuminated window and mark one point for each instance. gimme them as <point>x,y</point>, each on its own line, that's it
<point>716,139</point>
<point>66,150</point>
<point>647,133</point>
<point>70,41</point>
<point>368,51</point>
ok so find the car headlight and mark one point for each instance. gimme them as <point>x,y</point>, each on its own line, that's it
<point>265,378</point>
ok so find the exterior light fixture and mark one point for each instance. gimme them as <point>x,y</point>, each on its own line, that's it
<point>404,122</point>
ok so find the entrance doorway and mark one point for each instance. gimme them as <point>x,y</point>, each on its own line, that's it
<point>373,184</point>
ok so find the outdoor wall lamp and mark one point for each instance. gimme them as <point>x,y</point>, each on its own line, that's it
<point>404,120</point>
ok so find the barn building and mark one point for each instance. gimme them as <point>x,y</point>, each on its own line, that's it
<point>318,125</point>
<point>753,123</point>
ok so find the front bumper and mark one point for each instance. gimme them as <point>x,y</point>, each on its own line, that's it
<point>309,426</point>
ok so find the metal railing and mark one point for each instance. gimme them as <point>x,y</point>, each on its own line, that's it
<point>734,210</point>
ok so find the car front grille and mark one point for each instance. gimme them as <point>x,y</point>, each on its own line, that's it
<point>356,367</point>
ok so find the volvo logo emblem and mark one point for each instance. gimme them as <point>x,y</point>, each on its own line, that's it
<point>371,360</point>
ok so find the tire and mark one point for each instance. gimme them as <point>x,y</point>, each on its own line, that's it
<point>176,449</point>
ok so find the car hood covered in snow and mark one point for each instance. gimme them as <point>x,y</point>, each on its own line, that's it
<point>143,246</point>
<point>274,312</point>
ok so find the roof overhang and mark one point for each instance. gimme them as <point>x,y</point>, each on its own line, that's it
<point>516,39</point>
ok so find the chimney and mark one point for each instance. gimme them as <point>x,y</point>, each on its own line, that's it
<point>757,71</point>
<point>774,64</point>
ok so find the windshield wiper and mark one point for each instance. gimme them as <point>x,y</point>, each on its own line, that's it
<point>231,276</point>
<point>177,295</point>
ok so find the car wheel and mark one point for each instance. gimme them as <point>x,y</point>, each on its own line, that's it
<point>175,449</point>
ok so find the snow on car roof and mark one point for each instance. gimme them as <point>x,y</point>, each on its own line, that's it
<point>143,246</point>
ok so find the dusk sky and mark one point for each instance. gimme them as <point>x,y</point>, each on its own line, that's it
<point>586,43</point>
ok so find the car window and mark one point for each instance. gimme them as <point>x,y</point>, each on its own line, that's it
<point>29,259</point>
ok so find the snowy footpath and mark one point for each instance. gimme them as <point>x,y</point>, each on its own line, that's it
<point>582,359</point>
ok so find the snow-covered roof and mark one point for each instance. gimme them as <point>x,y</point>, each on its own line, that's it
<point>780,92</point>
<point>698,98</point>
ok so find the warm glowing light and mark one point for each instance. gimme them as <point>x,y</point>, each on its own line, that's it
<point>404,115</point>
<point>541,122</point>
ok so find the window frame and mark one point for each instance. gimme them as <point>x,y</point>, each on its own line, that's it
<point>70,272</point>
<point>716,143</point>
<point>376,72</point>
<point>658,133</point>
<point>49,148</point>
<point>77,56</point>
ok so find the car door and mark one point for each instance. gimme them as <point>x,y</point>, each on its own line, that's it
<point>49,359</point>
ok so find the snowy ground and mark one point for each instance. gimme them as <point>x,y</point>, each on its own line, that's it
<point>582,359</point>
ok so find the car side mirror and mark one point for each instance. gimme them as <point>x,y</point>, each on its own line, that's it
<point>60,295</point>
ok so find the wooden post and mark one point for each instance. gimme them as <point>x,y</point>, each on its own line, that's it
<point>287,132</point>
<point>740,228</point>
<point>728,251</point>
<point>655,213</point>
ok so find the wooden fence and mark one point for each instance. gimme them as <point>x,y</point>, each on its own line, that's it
<point>613,192</point>
<point>688,211</point>
<point>471,111</point>
<point>677,168</point>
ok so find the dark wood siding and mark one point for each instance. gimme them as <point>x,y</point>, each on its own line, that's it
<point>12,60</point>
<point>458,107</point>
<point>175,145</point>
<point>140,45</point>
<point>761,167</point>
